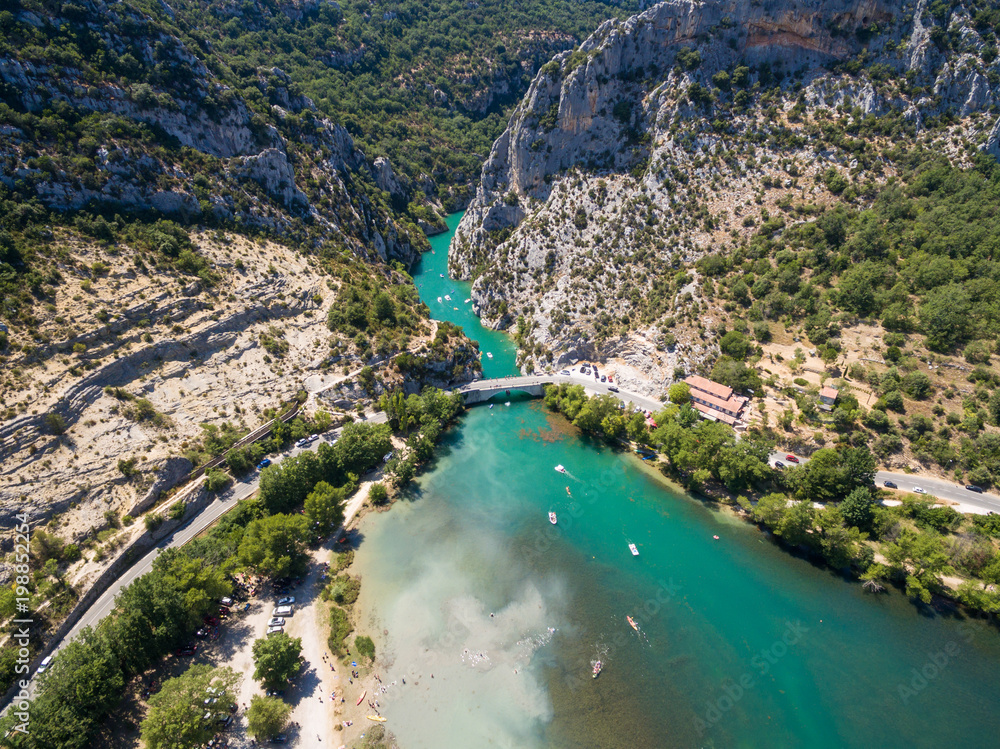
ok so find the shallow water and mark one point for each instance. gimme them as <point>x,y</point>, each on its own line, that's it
<point>740,643</point>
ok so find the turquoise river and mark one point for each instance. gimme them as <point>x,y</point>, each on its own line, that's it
<point>493,616</point>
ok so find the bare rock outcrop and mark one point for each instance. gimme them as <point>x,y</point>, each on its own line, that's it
<point>644,148</point>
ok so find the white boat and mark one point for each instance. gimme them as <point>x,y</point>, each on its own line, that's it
<point>492,404</point>
<point>439,300</point>
<point>597,669</point>
<point>467,301</point>
<point>552,518</point>
<point>560,469</point>
<point>507,403</point>
<point>489,355</point>
<point>635,551</point>
<point>447,297</point>
<point>441,274</point>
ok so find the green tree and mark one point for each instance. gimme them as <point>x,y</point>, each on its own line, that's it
<point>858,508</point>
<point>200,586</point>
<point>796,524</point>
<point>176,716</point>
<point>832,473</point>
<point>275,545</point>
<point>83,684</point>
<point>946,317</point>
<point>735,345</point>
<point>285,485</point>
<point>276,658</point>
<point>680,393</point>
<point>770,508</point>
<point>266,716</point>
<point>922,558</point>
<point>324,507</point>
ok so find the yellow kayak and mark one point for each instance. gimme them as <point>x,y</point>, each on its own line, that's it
<point>376,718</point>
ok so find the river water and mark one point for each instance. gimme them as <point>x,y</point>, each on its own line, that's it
<point>740,643</point>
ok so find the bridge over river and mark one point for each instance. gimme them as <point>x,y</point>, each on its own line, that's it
<point>483,390</point>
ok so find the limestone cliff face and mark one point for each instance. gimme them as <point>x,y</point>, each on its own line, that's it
<point>254,179</point>
<point>627,122</point>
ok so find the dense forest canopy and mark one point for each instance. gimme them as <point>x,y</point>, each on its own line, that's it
<point>412,80</point>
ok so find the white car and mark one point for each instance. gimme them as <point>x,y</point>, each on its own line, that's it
<point>918,490</point>
<point>286,601</point>
<point>272,630</point>
<point>276,622</point>
<point>44,665</point>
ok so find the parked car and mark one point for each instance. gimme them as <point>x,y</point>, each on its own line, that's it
<point>276,622</point>
<point>272,630</point>
<point>264,463</point>
<point>791,459</point>
<point>280,739</point>
<point>286,600</point>
<point>202,633</point>
<point>918,490</point>
<point>778,464</point>
<point>612,388</point>
<point>226,601</point>
<point>282,611</point>
<point>565,373</point>
<point>186,650</point>
<point>889,484</point>
<point>302,442</point>
<point>974,488</point>
<point>275,693</point>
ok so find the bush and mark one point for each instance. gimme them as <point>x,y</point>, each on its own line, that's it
<point>893,401</point>
<point>378,494</point>
<point>177,510</point>
<point>365,646</point>
<point>216,480</point>
<point>340,628</point>
<point>153,521</point>
<point>55,423</point>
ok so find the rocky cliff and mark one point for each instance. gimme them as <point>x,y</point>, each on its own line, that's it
<point>660,139</point>
<point>165,134</point>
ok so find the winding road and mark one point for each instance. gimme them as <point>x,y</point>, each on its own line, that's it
<point>196,525</point>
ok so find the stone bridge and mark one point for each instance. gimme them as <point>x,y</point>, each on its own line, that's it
<point>482,390</point>
<point>534,385</point>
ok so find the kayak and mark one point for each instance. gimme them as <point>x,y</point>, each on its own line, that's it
<point>362,697</point>
<point>376,718</point>
<point>632,622</point>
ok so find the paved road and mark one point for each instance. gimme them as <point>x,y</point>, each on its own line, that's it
<point>575,377</point>
<point>935,487</point>
<point>198,523</point>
